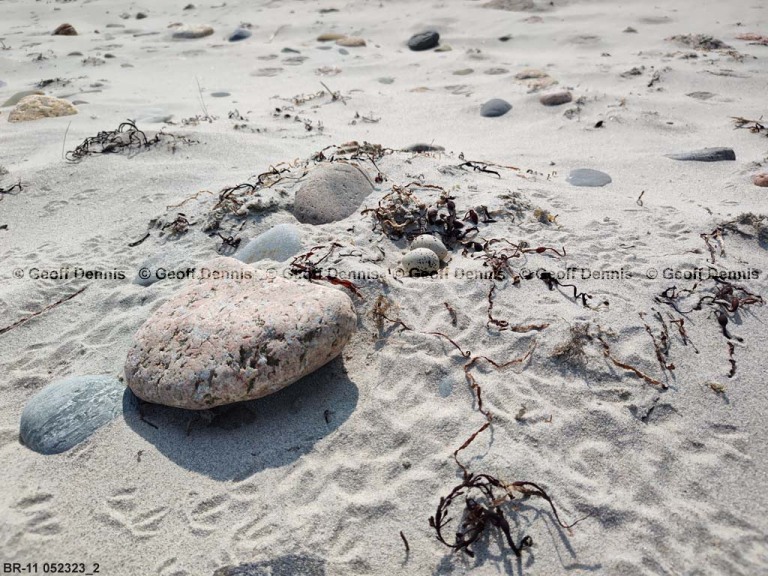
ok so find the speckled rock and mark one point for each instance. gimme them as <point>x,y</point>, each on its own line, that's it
<point>705,155</point>
<point>38,107</point>
<point>279,243</point>
<point>66,412</point>
<point>495,107</point>
<point>760,179</point>
<point>330,193</point>
<point>236,335</point>
<point>193,32</point>
<point>556,98</point>
<point>424,40</point>
<point>588,177</point>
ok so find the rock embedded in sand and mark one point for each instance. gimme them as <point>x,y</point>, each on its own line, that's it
<point>495,107</point>
<point>193,32</point>
<point>236,335</point>
<point>65,30</point>
<point>331,192</point>
<point>351,42</point>
<point>239,34</point>
<point>420,261</point>
<point>38,107</point>
<point>588,177</point>
<point>279,243</point>
<point>66,412</point>
<point>760,179</point>
<point>556,98</point>
<point>424,40</point>
<point>330,37</point>
<point>705,155</point>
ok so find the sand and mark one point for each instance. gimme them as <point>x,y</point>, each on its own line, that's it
<point>323,476</point>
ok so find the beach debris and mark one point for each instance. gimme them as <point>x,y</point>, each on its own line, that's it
<point>494,108</point>
<point>67,412</point>
<point>705,155</point>
<point>752,38</point>
<point>754,126</point>
<point>331,192</point>
<point>421,148</point>
<point>227,338</point>
<point>588,177</point>
<point>41,311</point>
<point>37,107</point>
<point>65,30</point>
<point>193,32</point>
<point>420,262</point>
<point>10,188</point>
<point>424,40</point>
<point>760,179</point>
<point>430,242</point>
<point>279,243</point>
<point>308,266</point>
<point>556,98</point>
<point>330,37</point>
<point>700,42</point>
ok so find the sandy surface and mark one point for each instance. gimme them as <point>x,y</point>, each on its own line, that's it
<point>322,477</point>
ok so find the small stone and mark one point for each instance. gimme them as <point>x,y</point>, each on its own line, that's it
<point>430,243</point>
<point>350,42</point>
<point>705,155</point>
<point>529,73</point>
<point>386,80</point>
<point>495,107</point>
<point>239,34</point>
<point>236,335</point>
<point>189,7</point>
<point>38,107</point>
<point>331,192</point>
<point>629,30</point>
<point>140,16</point>
<point>418,148</point>
<point>19,96</point>
<point>67,412</point>
<point>193,32</point>
<point>556,98</point>
<point>65,30</point>
<point>220,94</point>
<point>701,95</point>
<point>420,261</point>
<point>463,72</point>
<point>279,243</point>
<point>330,37</point>
<point>760,179</point>
<point>424,40</point>
<point>588,177</point>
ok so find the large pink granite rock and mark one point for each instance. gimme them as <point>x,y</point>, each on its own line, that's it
<point>223,340</point>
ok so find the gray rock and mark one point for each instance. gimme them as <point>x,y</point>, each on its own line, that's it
<point>330,193</point>
<point>588,177</point>
<point>239,34</point>
<point>705,155</point>
<point>424,40</point>
<point>556,98</point>
<point>495,107</point>
<point>66,412</point>
<point>279,243</point>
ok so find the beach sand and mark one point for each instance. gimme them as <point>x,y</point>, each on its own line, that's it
<point>324,476</point>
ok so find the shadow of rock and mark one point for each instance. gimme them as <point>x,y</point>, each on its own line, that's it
<point>233,442</point>
<point>290,565</point>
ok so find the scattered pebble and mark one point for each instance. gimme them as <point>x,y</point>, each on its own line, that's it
<point>588,177</point>
<point>38,107</point>
<point>556,98</point>
<point>279,243</point>
<point>67,412</point>
<point>65,30</point>
<point>330,37</point>
<point>237,335</point>
<point>760,179</point>
<point>495,107</point>
<point>420,261</point>
<point>430,243</point>
<point>701,95</point>
<point>629,30</point>
<point>705,155</point>
<point>351,42</point>
<point>193,32</point>
<point>386,80</point>
<point>331,192</point>
<point>239,34</point>
<point>140,16</point>
<point>418,148</point>
<point>424,40</point>
<point>220,94</point>
<point>463,72</point>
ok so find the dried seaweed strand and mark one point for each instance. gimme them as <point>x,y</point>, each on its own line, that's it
<point>41,311</point>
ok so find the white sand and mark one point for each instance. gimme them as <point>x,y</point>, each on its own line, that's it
<point>681,492</point>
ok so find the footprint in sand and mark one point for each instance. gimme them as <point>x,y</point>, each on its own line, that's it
<point>205,514</point>
<point>40,518</point>
<point>122,511</point>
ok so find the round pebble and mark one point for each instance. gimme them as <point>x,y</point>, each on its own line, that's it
<point>495,107</point>
<point>424,40</point>
<point>556,98</point>
<point>588,177</point>
<point>760,179</point>
<point>239,34</point>
<point>430,243</point>
<point>193,32</point>
<point>351,42</point>
<point>65,30</point>
<point>420,261</point>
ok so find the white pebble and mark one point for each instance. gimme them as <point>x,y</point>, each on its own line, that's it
<point>430,242</point>
<point>420,260</point>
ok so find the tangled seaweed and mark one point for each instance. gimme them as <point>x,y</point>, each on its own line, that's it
<point>10,189</point>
